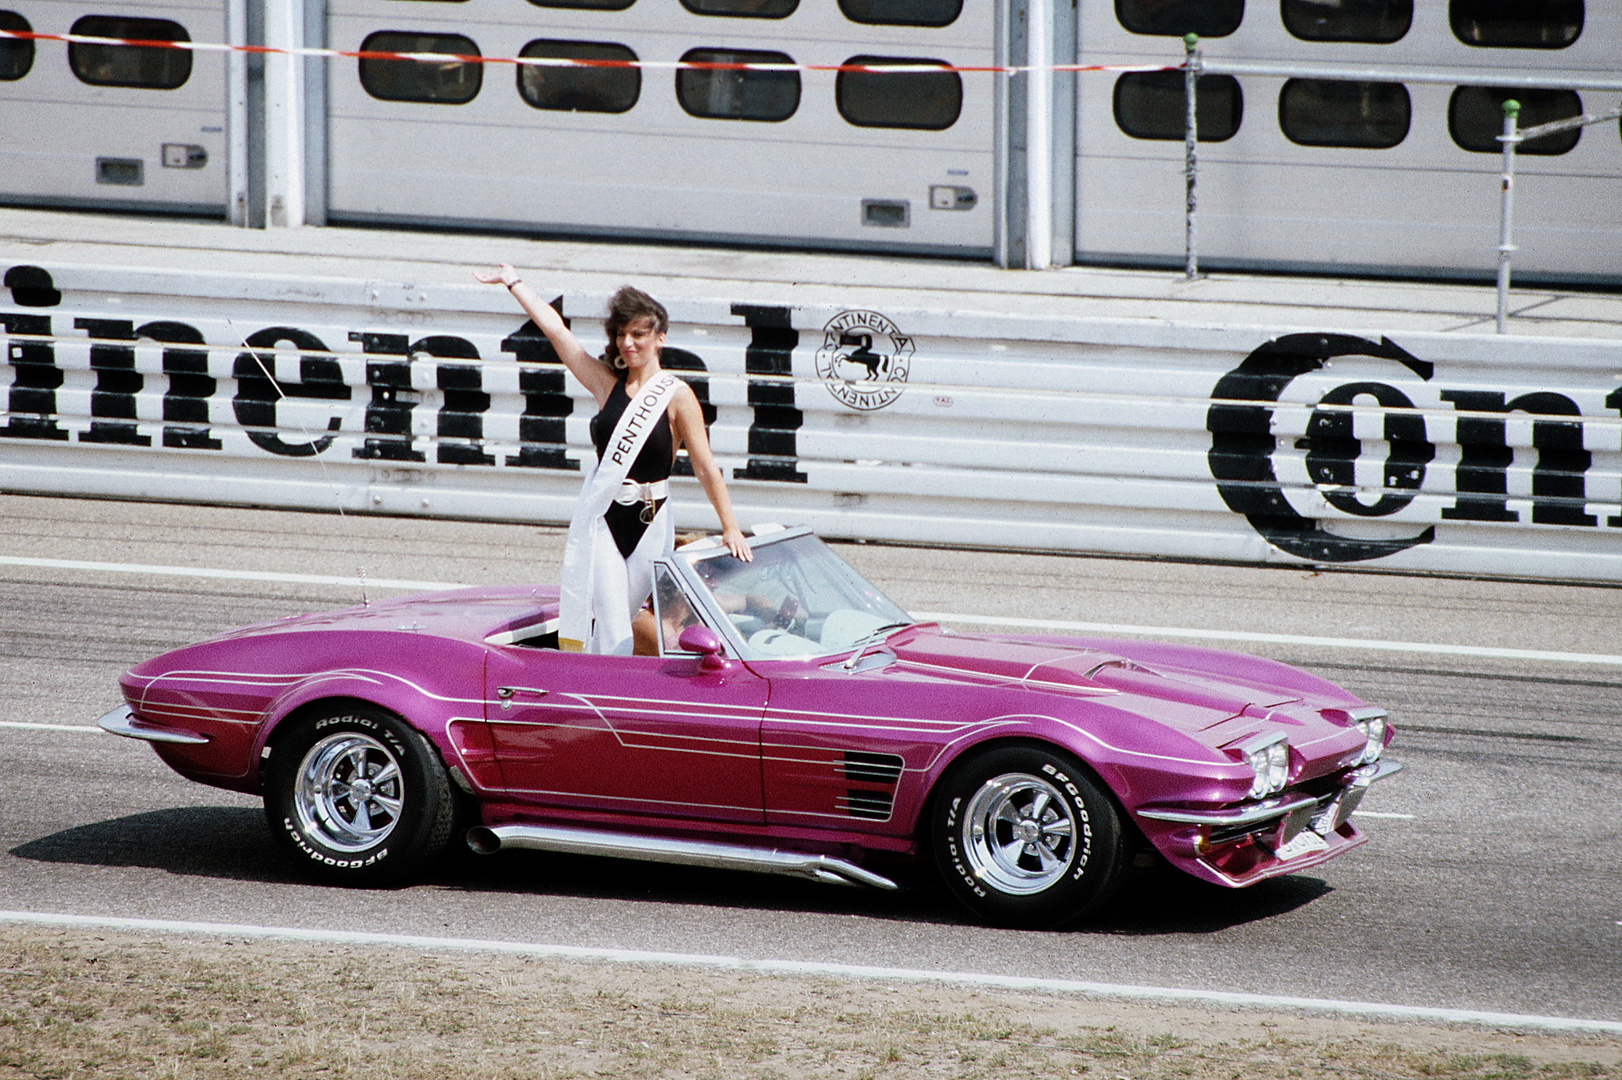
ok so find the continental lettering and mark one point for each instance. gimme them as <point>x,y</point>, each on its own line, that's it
<point>1240,421</point>
<point>261,391</point>
<point>389,432</point>
<point>31,402</point>
<point>191,387</point>
<point>464,403</point>
<point>117,383</point>
<point>1553,484</point>
<point>542,442</point>
<point>1558,477</point>
<point>775,420</point>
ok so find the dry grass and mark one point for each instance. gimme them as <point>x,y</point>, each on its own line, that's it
<point>82,1005</point>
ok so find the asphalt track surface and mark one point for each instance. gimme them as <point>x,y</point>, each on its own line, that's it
<point>1492,879</point>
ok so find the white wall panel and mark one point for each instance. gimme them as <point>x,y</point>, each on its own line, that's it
<point>54,127</point>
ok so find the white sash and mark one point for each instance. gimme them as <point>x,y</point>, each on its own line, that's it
<point>603,481</point>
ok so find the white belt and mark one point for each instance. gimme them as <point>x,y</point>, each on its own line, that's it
<point>631,492</point>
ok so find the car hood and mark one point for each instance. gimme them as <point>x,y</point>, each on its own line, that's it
<point>1196,691</point>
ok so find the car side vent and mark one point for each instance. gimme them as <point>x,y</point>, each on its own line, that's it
<point>873,805</point>
<point>873,768</point>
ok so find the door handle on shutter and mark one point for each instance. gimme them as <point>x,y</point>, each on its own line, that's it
<point>505,693</point>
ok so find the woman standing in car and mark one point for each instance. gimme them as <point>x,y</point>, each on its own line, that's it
<point>621,523</point>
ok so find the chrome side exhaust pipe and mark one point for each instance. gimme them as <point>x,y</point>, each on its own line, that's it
<point>664,849</point>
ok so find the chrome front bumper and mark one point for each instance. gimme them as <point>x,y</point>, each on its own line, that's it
<point>1292,813</point>
<point>122,721</point>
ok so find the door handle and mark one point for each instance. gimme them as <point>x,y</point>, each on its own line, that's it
<point>505,693</point>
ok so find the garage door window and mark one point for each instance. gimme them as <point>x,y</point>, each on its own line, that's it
<point>1338,112</point>
<point>1174,18</point>
<point>743,9</point>
<point>902,12</point>
<point>1149,105</point>
<point>580,89</point>
<point>1516,24</point>
<point>16,57</point>
<point>738,95</point>
<point>452,82</point>
<point>592,5</point>
<point>926,100</point>
<point>144,67</point>
<point>1475,118</point>
<point>1373,22</point>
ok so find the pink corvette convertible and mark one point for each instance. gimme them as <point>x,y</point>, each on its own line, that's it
<point>795,721</point>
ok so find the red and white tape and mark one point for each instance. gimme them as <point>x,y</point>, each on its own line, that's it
<point>562,62</point>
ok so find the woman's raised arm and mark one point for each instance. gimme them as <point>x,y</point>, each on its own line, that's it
<point>593,374</point>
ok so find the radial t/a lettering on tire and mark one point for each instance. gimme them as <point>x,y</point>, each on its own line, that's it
<point>1025,836</point>
<point>359,795</point>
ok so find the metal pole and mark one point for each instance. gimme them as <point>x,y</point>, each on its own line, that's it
<point>236,114</point>
<point>284,115</point>
<point>1506,210</point>
<point>1039,135</point>
<point>1191,74</point>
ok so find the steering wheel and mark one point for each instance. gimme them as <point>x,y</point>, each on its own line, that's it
<point>786,612</point>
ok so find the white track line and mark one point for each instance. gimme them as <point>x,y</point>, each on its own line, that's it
<point>229,575</point>
<point>934,616</point>
<point>50,727</point>
<point>799,967</point>
<point>1278,639</point>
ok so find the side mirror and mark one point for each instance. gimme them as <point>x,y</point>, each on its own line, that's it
<point>702,640</point>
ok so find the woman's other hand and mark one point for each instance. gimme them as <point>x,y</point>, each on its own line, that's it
<point>734,541</point>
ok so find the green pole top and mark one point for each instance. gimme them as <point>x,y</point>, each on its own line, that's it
<point>1191,40</point>
<point>1512,107</point>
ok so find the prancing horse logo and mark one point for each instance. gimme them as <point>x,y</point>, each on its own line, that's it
<point>864,359</point>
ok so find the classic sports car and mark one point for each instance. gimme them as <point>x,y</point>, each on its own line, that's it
<point>794,721</point>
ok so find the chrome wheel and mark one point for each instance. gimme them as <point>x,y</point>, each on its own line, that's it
<point>1025,835</point>
<point>349,792</point>
<point>1019,834</point>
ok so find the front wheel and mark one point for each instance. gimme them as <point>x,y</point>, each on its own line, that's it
<point>1025,837</point>
<point>358,795</point>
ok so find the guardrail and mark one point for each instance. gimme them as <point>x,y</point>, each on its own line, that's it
<point>1459,453</point>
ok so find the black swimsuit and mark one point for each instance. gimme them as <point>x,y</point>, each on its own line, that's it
<point>652,464</point>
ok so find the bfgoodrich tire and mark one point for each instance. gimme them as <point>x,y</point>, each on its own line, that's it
<point>358,795</point>
<point>1025,837</point>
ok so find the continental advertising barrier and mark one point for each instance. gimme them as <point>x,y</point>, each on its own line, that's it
<point>1415,451</point>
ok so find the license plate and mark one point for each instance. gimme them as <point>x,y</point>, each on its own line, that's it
<point>1305,842</point>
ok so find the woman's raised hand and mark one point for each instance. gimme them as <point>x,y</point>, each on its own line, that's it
<point>501,275</point>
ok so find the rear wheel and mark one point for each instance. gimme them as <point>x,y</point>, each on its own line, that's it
<point>1025,837</point>
<point>359,795</point>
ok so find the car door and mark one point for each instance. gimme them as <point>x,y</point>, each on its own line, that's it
<point>628,735</point>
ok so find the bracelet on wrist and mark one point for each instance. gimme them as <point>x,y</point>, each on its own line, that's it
<point>514,283</point>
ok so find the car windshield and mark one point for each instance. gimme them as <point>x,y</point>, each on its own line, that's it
<point>797,598</point>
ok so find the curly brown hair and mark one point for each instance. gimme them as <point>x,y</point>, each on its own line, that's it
<point>625,307</point>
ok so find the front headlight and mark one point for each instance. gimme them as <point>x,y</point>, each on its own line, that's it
<point>1271,764</point>
<point>1371,723</point>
